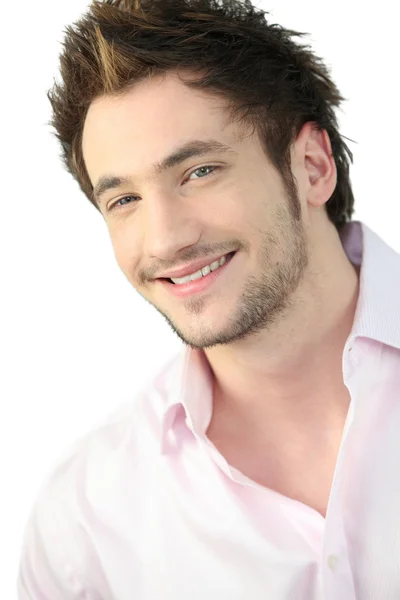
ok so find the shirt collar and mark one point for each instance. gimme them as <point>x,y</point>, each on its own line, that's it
<point>377,317</point>
<point>189,389</point>
<point>377,314</point>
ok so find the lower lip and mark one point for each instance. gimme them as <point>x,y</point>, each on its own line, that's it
<point>198,285</point>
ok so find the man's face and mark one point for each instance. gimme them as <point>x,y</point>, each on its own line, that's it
<point>201,208</point>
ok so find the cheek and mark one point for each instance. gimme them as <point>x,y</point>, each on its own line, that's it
<point>230,205</point>
<point>126,254</point>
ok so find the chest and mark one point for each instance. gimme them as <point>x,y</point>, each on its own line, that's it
<point>297,472</point>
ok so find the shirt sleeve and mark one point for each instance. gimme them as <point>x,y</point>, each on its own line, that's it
<point>58,560</point>
<point>60,557</point>
<point>46,570</point>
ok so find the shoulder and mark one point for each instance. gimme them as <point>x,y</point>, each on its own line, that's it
<point>88,484</point>
<point>131,430</point>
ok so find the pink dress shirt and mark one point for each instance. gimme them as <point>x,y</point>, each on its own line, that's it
<point>146,508</point>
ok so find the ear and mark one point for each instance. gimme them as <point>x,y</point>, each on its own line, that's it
<point>318,164</point>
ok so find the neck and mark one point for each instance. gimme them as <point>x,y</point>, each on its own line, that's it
<point>292,375</point>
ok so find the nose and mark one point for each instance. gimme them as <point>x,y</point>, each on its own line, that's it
<point>169,226</point>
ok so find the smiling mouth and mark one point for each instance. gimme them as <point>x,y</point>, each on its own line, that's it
<point>228,258</point>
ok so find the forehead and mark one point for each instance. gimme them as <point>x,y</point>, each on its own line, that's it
<point>149,118</point>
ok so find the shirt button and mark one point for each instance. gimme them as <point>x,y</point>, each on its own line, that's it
<point>333,561</point>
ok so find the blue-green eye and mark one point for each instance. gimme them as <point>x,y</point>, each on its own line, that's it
<point>201,169</point>
<point>116,203</point>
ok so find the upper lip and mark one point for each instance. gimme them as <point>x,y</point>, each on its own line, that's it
<point>191,267</point>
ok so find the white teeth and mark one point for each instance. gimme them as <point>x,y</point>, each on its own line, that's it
<point>204,271</point>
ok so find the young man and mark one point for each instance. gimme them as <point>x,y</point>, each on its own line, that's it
<point>262,461</point>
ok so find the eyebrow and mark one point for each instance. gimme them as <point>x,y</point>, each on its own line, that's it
<point>180,154</point>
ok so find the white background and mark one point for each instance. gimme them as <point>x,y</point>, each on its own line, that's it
<point>76,340</point>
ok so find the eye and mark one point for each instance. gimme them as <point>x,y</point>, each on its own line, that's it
<point>116,203</point>
<point>202,169</point>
